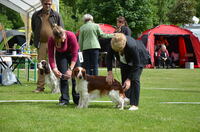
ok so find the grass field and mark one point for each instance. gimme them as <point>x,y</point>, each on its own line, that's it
<point>157,87</point>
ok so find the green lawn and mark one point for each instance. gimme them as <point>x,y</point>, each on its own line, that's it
<point>157,86</point>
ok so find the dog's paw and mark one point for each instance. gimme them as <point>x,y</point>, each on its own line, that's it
<point>118,106</point>
<point>79,107</point>
<point>121,108</point>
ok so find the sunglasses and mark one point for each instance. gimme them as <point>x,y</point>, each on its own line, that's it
<point>120,21</point>
<point>47,4</point>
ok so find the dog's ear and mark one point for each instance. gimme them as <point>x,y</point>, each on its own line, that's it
<point>84,73</point>
<point>41,71</point>
<point>73,73</point>
<point>47,68</point>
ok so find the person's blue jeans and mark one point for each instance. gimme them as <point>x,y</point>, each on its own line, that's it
<point>91,57</point>
<point>63,60</point>
<point>62,65</point>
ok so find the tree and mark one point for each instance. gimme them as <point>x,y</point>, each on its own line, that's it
<point>198,8</point>
<point>5,22</point>
<point>139,15</point>
<point>9,18</point>
<point>70,15</point>
<point>182,12</point>
<point>137,12</point>
<point>162,9</point>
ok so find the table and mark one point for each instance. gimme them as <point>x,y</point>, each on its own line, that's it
<point>33,60</point>
<point>19,58</point>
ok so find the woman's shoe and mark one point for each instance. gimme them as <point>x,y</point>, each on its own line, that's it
<point>63,104</point>
<point>133,108</point>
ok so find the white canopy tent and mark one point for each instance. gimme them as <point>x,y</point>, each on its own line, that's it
<point>195,28</point>
<point>26,8</point>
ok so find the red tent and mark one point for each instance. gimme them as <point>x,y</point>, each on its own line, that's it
<point>179,40</point>
<point>106,28</point>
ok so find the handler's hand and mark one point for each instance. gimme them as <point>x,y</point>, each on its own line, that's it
<point>67,74</point>
<point>127,84</point>
<point>57,73</point>
<point>109,78</point>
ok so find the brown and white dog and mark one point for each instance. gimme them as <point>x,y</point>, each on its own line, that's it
<point>90,87</point>
<point>50,79</point>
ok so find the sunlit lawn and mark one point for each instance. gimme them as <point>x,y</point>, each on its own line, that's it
<point>157,87</point>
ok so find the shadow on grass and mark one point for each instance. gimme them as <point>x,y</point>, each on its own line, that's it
<point>91,106</point>
<point>56,106</point>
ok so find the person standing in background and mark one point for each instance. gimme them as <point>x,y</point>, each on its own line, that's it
<point>42,24</point>
<point>122,26</point>
<point>89,43</point>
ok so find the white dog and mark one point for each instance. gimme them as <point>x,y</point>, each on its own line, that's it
<point>50,79</point>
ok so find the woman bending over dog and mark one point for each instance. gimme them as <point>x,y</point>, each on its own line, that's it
<point>63,55</point>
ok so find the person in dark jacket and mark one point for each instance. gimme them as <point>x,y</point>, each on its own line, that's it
<point>163,57</point>
<point>122,26</point>
<point>132,56</point>
<point>42,24</point>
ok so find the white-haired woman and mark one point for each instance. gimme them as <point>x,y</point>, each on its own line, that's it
<point>163,57</point>
<point>132,56</point>
<point>89,43</point>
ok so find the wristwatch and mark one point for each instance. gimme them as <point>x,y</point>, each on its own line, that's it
<point>70,68</point>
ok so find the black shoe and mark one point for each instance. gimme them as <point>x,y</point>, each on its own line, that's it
<point>39,90</point>
<point>63,104</point>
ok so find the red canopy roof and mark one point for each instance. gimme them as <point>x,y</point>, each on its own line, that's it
<point>106,28</point>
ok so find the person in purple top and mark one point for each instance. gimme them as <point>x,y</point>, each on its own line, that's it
<point>63,54</point>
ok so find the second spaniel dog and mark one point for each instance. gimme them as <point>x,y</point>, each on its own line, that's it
<point>50,79</point>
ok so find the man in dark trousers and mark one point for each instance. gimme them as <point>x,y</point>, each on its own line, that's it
<point>42,25</point>
<point>132,56</point>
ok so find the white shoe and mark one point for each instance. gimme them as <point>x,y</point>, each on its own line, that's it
<point>132,108</point>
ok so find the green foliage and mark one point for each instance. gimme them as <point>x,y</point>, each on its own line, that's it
<point>10,18</point>
<point>140,14</point>
<point>182,12</point>
<point>137,13</point>
<point>5,22</point>
<point>70,16</point>
<point>198,8</point>
<point>162,9</point>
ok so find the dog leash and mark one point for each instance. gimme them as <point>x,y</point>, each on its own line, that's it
<point>116,73</point>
